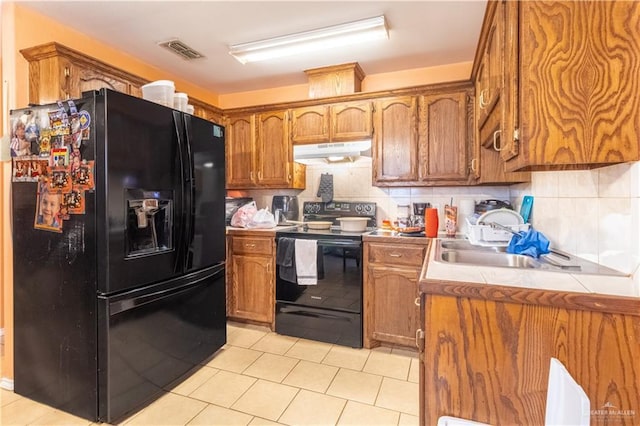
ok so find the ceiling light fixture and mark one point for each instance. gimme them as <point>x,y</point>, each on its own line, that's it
<point>323,38</point>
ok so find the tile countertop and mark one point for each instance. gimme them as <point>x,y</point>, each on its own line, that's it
<point>583,291</point>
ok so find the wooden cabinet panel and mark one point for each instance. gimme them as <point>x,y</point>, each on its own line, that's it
<point>391,314</point>
<point>348,121</point>
<point>253,293</point>
<point>273,149</point>
<point>239,151</point>
<point>488,361</point>
<point>394,254</point>
<point>252,245</point>
<point>578,84</point>
<point>58,72</point>
<point>251,278</point>
<point>260,154</point>
<point>310,125</point>
<point>351,121</point>
<point>395,147</point>
<point>446,142</point>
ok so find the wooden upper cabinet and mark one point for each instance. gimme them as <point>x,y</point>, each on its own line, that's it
<point>239,148</point>
<point>348,121</point>
<point>395,145</point>
<point>445,141</point>
<point>58,72</point>
<point>259,152</point>
<point>310,124</point>
<point>351,121</point>
<point>578,92</point>
<point>273,150</point>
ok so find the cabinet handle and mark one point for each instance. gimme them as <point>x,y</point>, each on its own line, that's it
<point>67,72</point>
<point>495,140</point>
<point>420,340</point>
<point>474,165</point>
<point>395,255</point>
<point>259,175</point>
<point>251,174</point>
<point>250,245</point>
<point>417,301</point>
<point>483,103</point>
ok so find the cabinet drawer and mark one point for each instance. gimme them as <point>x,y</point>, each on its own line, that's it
<point>252,245</point>
<point>396,254</point>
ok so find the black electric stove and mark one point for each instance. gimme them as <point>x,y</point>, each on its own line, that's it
<point>330,310</point>
<point>330,212</point>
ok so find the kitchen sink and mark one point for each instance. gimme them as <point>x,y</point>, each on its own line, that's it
<point>487,258</point>
<point>463,252</point>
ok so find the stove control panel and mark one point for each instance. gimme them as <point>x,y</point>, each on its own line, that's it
<point>340,208</point>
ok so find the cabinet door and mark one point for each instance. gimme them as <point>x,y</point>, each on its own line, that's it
<point>395,148</point>
<point>393,314</point>
<point>310,125</point>
<point>444,145</point>
<point>579,82</point>
<point>239,152</point>
<point>252,287</point>
<point>273,149</point>
<point>351,121</point>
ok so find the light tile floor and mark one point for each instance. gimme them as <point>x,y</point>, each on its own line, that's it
<point>262,378</point>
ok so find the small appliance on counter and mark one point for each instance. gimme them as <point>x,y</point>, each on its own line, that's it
<point>418,214</point>
<point>287,206</point>
<point>231,205</point>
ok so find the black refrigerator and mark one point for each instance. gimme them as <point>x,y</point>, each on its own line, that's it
<point>118,216</point>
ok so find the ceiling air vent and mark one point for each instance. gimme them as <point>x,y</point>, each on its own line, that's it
<point>181,49</point>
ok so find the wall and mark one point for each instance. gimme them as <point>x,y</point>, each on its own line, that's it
<point>594,214</point>
<point>352,182</point>
<point>371,83</point>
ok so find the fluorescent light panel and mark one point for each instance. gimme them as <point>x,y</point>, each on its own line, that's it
<point>323,38</point>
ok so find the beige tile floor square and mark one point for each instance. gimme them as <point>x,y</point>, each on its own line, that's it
<point>398,395</point>
<point>311,376</point>
<point>266,399</point>
<point>357,414</point>
<point>309,350</point>
<point>321,384</point>
<point>275,344</point>
<point>390,365</point>
<point>235,359</point>
<point>355,385</point>
<point>311,408</point>
<point>341,356</point>
<point>271,367</point>
<point>213,415</point>
<point>223,389</point>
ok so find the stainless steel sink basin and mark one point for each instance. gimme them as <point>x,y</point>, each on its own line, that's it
<point>487,258</point>
<point>463,252</point>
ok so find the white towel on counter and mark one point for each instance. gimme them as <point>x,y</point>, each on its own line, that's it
<point>306,261</point>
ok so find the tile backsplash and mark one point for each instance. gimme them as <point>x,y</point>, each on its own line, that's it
<point>594,214</point>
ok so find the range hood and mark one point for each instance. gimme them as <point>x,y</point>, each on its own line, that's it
<point>332,152</point>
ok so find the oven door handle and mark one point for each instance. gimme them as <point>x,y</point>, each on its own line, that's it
<point>339,243</point>
<point>315,314</point>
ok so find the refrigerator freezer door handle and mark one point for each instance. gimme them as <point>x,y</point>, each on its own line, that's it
<point>191,190</point>
<point>181,231</point>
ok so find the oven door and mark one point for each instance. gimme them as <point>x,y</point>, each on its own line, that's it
<point>339,285</point>
<point>331,310</point>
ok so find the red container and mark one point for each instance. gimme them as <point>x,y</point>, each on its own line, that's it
<point>431,222</point>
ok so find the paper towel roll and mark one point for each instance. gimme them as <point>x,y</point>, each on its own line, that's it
<point>466,208</point>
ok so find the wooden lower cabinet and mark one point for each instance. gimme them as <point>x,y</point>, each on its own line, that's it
<point>488,360</point>
<point>391,311</point>
<point>251,278</point>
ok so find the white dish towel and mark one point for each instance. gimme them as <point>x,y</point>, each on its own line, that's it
<point>306,258</point>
